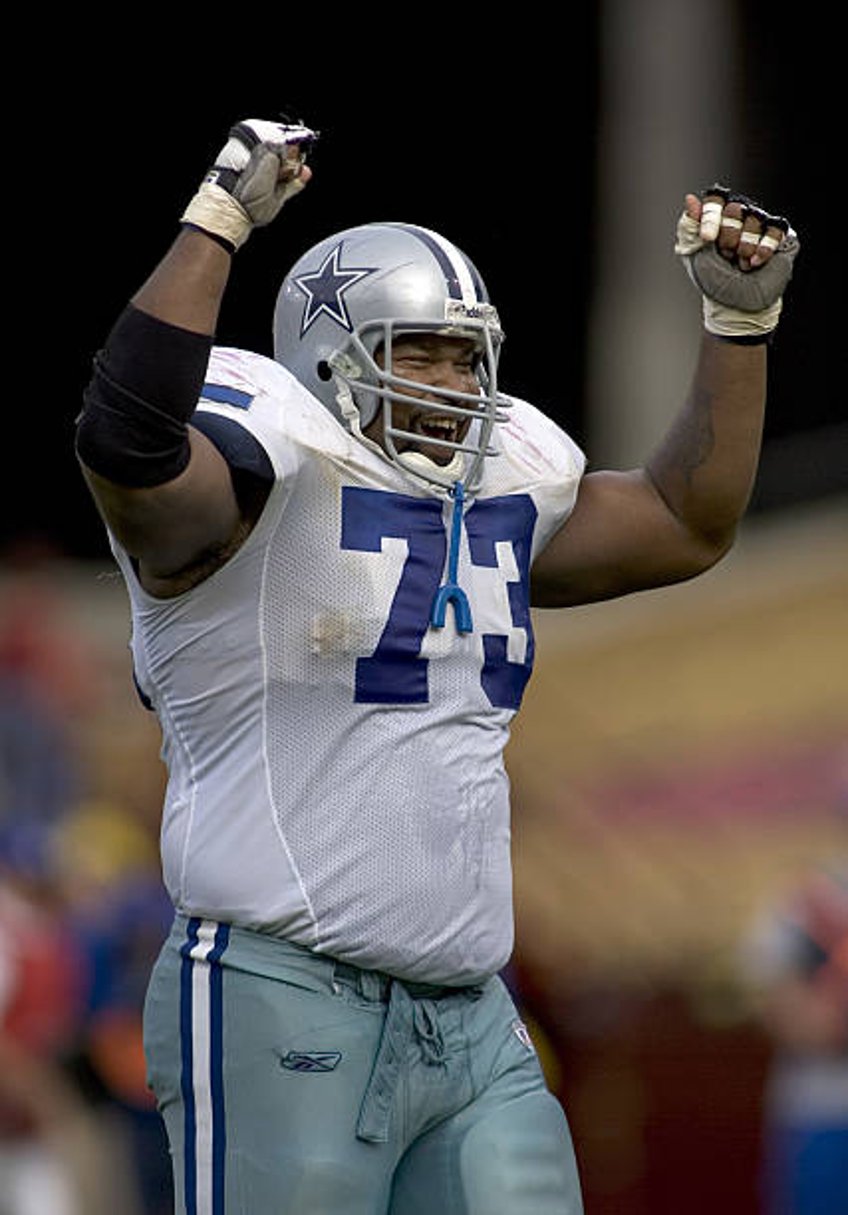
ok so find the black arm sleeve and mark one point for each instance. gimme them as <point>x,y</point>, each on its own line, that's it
<point>144,388</point>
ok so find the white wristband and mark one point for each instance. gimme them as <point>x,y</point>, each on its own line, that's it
<point>216,211</point>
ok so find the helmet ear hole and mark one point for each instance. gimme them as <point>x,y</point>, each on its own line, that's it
<point>324,371</point>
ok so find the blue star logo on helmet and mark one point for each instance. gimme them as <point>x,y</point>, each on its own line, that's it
<point>325,288</point>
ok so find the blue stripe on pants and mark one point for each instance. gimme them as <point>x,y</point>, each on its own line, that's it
<point>201,1033</point>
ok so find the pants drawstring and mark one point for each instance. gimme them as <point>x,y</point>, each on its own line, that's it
<point>407,1016</point>
<point>425,1019</point>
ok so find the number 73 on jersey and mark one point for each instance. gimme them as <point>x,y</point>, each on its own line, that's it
<point>396,673</point>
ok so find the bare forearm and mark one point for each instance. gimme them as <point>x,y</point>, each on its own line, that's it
<point>704,468</point>
<point>171,497</point>
<point>187,286</point>
<point>677,516</point>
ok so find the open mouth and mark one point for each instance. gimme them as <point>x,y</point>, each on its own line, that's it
<point>436,436</point>
<point>438,427</point>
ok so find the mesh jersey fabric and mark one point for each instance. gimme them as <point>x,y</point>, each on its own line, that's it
<point>335,764</point>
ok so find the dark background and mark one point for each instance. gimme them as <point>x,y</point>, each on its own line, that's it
<point>486,132</point>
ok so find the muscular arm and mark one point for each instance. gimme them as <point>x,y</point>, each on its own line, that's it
<point>169,526</point>
<point>162,487</point>
<point>677,516</point>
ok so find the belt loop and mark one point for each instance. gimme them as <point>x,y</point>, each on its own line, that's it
<point>372,985</point>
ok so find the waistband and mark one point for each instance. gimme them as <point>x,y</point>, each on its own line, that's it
<point>375,985</point>
<point>263,954</point>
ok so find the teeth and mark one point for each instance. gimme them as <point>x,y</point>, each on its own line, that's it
<point>441,428</point>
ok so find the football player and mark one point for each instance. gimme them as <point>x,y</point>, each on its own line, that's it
<point>331,558</point>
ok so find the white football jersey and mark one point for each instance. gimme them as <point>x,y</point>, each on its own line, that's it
<point>335,761</point>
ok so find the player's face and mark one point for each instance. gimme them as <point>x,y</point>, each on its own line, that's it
<point>434,362</point>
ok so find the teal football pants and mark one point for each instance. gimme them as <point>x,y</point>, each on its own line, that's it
<point>292,1084</point>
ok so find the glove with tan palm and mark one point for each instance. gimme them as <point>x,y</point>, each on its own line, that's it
<point>261,166</point>
<point>740,257</point>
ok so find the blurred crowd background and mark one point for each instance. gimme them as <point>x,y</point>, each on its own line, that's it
<point>680,767</point>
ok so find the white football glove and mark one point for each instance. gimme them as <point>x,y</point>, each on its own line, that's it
<point>736,303</point>
<point>254,174</point>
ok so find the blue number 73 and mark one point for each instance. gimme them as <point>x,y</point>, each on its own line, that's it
<point>396,673</point>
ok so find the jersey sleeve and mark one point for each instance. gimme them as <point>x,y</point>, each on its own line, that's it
<point>240,410</point>
<point>258,397</point>
<point>546,461</point>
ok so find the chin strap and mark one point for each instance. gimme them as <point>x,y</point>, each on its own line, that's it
<point>450,591</point>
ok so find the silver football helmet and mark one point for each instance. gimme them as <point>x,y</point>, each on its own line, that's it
<point>345,301</point>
